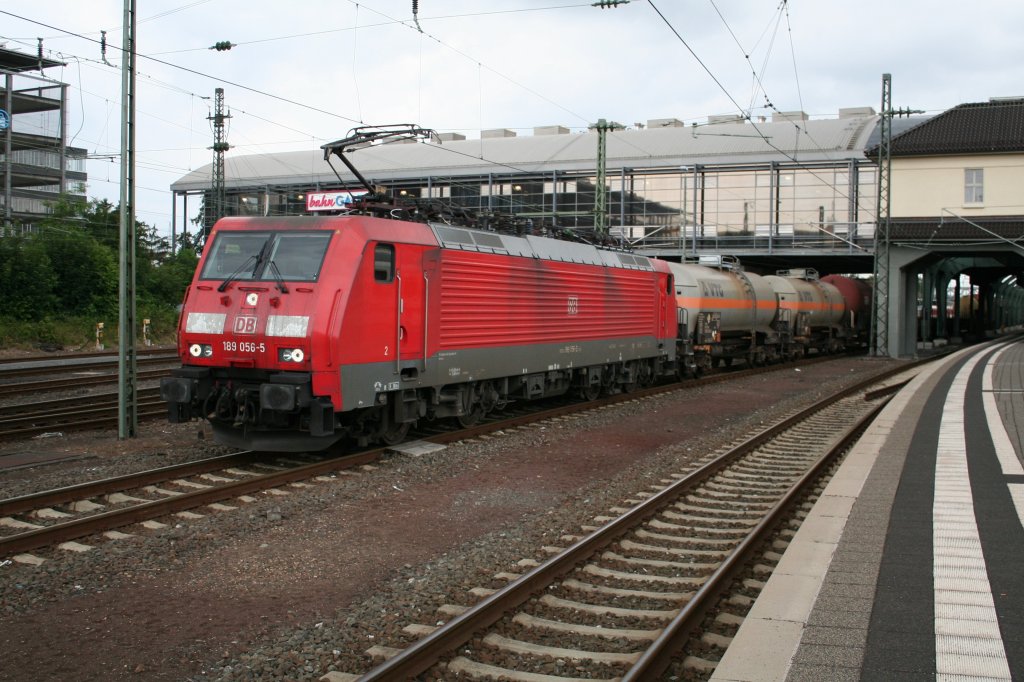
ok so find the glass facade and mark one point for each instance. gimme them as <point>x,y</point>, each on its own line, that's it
<point>824,206</point>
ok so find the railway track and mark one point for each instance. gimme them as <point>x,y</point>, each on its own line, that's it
<point>72,382</point>
<point>75,370</point>
<point>632,593</point>
<point>91,365</point>
<point>26,420</point>
<point>84,355</point>
<point>34,521</point>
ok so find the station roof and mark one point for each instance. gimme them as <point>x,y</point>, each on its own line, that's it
<point>13,60</point>
<point>672,145</point>
<point>982,127</point>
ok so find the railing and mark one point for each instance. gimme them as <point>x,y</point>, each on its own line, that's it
<point>839,241</point>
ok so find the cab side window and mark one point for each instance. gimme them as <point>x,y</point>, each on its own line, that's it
<point>384,263</point>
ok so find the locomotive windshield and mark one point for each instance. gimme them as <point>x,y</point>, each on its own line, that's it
<point>266,256</point>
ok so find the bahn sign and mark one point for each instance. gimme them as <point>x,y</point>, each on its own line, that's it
<point>331,201</point>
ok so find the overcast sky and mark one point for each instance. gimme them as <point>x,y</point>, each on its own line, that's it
<point>305,72</point>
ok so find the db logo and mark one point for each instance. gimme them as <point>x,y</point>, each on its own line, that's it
<point>574,305</point>
<point>246,324</point>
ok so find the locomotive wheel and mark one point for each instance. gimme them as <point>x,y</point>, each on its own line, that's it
<point>590,392</point>
<point>395,433</point>
<point>472,418</point>
<point>472,407</point>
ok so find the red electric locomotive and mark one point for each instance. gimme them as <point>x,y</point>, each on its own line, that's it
<point>298,331</point>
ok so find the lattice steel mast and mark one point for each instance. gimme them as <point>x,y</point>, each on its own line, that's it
<point>880,299</point>
<point>220,146</point>
<point>601,181</point>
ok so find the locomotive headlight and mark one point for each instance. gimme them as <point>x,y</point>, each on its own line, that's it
<point>294,326</point>
<point>290,355</point>
<point>200,350</point>
<point>205,323</point>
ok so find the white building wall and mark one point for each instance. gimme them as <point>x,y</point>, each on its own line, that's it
<point>934,186</point>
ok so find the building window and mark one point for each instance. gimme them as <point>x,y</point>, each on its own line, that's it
<point>974,185</point>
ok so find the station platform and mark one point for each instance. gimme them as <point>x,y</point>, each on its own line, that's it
<point>910,567</point>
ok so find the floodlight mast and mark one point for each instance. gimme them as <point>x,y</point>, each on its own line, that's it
<point>364,136</point>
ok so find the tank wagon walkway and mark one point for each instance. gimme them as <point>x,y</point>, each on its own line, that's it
<point>911,564</point>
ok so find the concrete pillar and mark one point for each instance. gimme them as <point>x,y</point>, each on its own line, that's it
<point>926,282</point>
<point>956,309</point>
<point>941,303</point>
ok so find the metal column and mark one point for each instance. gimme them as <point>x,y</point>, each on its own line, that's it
<point>8,158</point>
<point>127,407</point>
<point>600,190</point>
<point>880,299</point>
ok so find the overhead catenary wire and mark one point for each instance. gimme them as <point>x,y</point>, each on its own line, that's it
<point>288,100</point>
<point>739,108</point>
<point>193,71</point>
<point>480,68</point>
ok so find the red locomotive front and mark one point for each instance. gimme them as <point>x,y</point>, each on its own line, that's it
<point>257,358</point>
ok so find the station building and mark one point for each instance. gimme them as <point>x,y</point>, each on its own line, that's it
<point>680,188</point>
<point>36,165</point>
<point>778,193</point>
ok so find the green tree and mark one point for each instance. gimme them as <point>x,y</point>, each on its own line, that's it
<point>86,271</point>
<point>27,279</point>
<point>63,277</point>
<point>167,282</point>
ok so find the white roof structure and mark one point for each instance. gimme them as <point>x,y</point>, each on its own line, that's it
<point>786,138</point>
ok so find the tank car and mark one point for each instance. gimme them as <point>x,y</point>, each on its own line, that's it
<point>856,295</point>
<point>726,314</point>
<point>813,310</point>
<point>296,332</point>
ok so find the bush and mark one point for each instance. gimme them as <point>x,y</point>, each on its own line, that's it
<point>79,333</point>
